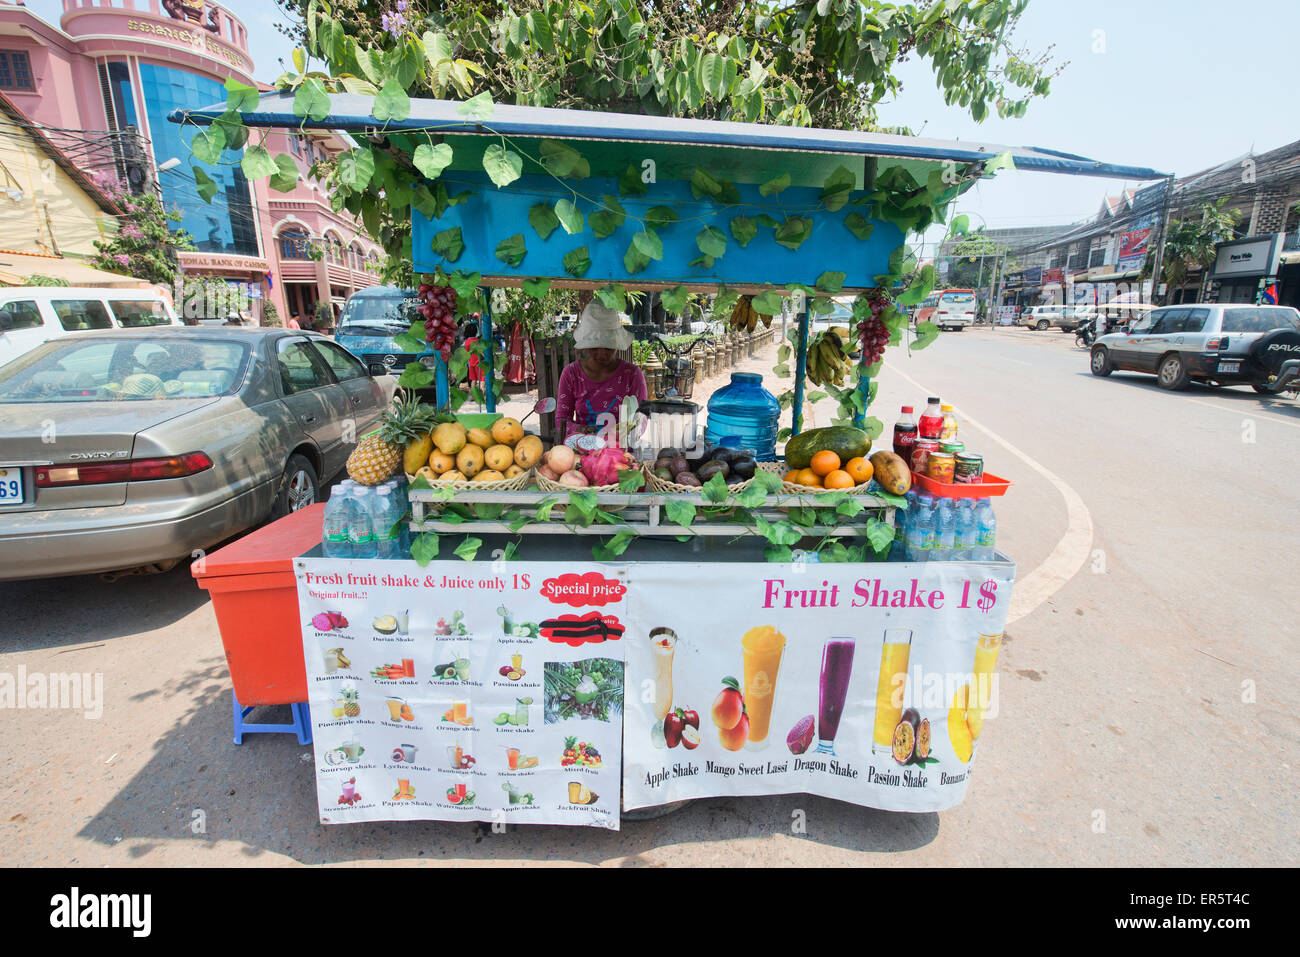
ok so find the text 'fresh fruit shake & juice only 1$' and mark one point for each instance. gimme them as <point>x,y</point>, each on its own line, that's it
<point>763,647</point>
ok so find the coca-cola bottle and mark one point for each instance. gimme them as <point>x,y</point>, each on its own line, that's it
<point>905,431</point>
<point>931,424</point>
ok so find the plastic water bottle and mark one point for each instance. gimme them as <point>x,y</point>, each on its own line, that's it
<point>920,530</point>
<point>361,529</point>
<point>384,516</point>
<point>964,544</point>
<point>334,535</point>
<point>945,525</point>
<point>986,534</point>
<point>746,414</point>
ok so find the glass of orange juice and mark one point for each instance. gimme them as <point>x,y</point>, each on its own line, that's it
<point>986,666</point>
<point>890,685</point>
<point>460,711</point>
<point>763,647</point>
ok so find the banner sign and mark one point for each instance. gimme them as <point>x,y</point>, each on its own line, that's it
<point>1055,274</point>
<point>465,692</point>
<point>867,684</point>
<point>1133,244</point>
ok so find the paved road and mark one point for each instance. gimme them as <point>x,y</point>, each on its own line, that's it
<point>1149,711</point>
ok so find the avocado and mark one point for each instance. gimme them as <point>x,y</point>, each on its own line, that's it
<point>713,467</point>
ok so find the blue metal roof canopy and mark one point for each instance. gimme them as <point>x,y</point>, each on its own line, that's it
<point>746,152</point>
<point>351,112</point>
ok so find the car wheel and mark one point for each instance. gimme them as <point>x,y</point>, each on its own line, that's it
<point>1262,389</point>
<point>299,487</point>
<point>1101,362</point>
<point>1173,373</point>
<point>1042,324</point>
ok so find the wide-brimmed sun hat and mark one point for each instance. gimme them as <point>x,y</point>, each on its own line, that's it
<point>600,327</point>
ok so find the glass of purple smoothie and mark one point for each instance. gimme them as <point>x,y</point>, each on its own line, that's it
<point>837,666</point>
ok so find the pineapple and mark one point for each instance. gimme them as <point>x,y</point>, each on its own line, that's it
<point>351,707</point>
<point>378,456</point>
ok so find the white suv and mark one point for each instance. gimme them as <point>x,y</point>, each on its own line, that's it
<point>30,315</point>
<point>1221,343</point>
<point>1065,318</point>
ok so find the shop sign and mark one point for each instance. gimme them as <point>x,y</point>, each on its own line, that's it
<point>1245,258</point>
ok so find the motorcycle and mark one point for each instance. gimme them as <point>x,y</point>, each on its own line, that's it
<point>1084,336</point>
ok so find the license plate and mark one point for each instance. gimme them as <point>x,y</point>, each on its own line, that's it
<point>1229,366</point>
<point>11,487</point>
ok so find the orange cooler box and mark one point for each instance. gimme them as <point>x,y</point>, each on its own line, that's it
<point>255,596</point>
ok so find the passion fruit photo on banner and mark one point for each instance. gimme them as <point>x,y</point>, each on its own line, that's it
<point>868,687</point>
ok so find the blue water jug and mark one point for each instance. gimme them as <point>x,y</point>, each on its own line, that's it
<point>744,415</point>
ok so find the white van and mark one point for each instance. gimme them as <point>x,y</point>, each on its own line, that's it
<point>30,315</point>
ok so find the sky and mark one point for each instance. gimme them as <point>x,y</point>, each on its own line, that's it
<point>1173,85</point>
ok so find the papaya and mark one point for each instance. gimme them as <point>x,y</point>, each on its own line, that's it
<point>891,472</point>
<point>845,441</point>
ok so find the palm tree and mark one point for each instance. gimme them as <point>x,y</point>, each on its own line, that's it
<point>1193,242</point>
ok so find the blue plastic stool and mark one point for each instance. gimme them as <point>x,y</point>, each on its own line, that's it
<point>301,725</point>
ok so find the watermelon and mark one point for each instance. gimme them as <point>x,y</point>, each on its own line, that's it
<point>845,441</point>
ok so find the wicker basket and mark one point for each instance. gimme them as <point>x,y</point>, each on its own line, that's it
<point>547,485</point>
<point>790,488</point>
<point>655,484</point>
<point>516,484</point>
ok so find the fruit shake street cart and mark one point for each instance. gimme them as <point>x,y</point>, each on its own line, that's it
<point>648,630</point>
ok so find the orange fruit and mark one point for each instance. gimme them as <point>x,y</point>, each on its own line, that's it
<point>791,476</point>
<point>860,470</point>
<point>808,477</point>
<point>824,462</point>
<point>839,479</point>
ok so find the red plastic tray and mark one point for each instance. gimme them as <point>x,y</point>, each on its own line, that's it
<point>991,486</point>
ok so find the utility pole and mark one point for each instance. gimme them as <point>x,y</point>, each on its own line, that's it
<point>1160,245</point>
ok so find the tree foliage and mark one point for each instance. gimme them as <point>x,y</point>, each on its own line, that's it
<point>826,63</point>
<point>1191,242</point>
<point>145,246</point>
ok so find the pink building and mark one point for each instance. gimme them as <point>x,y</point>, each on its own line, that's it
<point>101,84</point>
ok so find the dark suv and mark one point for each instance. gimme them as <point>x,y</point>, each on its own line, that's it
<point>1223,343</point>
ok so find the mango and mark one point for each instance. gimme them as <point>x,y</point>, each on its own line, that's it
<point>891,472</point>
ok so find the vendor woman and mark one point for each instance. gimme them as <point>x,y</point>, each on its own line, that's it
<point>598,380</point>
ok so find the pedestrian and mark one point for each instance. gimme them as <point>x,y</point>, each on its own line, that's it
<point>293,321</point>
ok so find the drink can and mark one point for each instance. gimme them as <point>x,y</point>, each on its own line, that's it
<point>921,454</point>
<point>940,466</point>
<point>968,468</point>
<point>952,448</point>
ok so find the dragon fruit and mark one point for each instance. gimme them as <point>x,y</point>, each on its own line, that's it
<point>602,466</point>
<point>328,621</point>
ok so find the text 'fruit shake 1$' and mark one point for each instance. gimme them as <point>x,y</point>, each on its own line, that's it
<point>894,653</point>
<point>763,647</point>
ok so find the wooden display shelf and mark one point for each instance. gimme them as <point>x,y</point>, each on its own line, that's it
<point>641,512</point>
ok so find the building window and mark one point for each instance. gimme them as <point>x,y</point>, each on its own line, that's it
<point>228,223</point>
<point>295,245</point>
<point>15,70</point>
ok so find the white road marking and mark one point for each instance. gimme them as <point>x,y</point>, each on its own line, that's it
<point>1244,413</point>
<point>1070,552</point>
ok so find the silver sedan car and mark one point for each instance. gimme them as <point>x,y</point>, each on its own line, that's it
<point>125,449</point>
